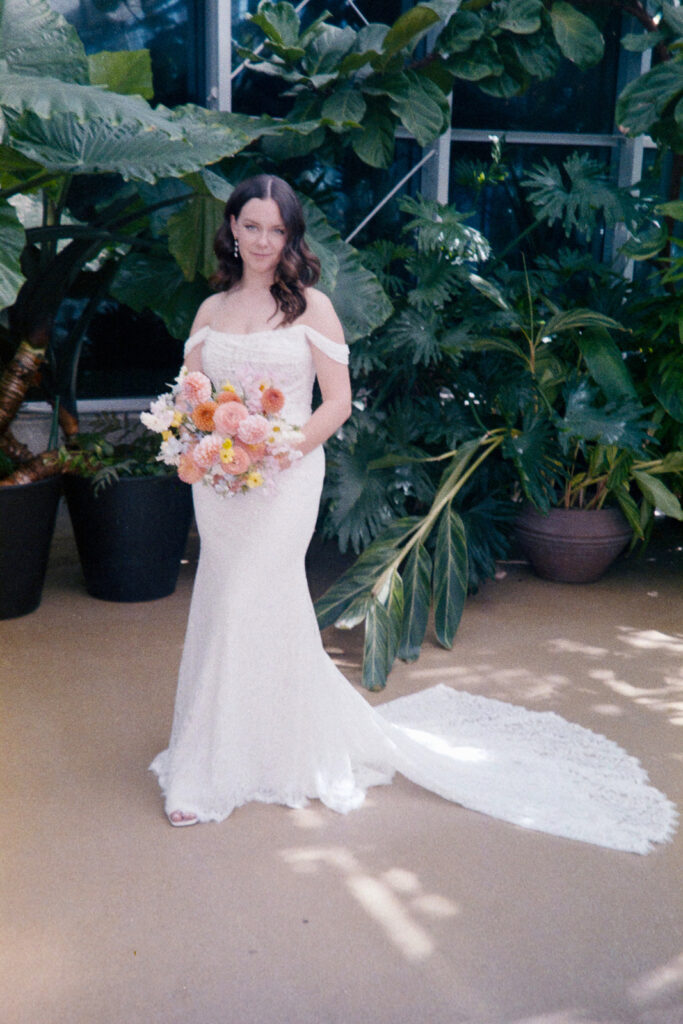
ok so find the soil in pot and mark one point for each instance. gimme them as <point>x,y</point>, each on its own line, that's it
<point>572,545</point>
<point>130,534</point>
<point>27,523</point>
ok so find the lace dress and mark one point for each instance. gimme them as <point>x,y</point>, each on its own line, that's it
<point>263,714</point>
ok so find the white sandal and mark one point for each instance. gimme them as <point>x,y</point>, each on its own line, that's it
<point>183,820</point>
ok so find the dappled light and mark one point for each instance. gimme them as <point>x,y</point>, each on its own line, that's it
<point>651,639</point>
<point>662,983</point>
<point>394,900</point>
<point>666,698</point>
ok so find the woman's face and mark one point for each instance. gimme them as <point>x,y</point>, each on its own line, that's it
<point>261,234</point>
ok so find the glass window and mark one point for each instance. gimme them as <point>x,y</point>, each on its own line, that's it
<point>571,101</point>
<point>172,30</point>
<point>502,210</point>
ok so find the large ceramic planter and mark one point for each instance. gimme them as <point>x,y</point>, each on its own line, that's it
<point>130,535</point>
<point>27,523</point>
<point>572,545</point>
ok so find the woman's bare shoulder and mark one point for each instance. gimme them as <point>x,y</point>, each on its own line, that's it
<point>321,316</point>
<point>207,311</point>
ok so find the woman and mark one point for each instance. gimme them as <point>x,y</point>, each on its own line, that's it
<point>261,711</point>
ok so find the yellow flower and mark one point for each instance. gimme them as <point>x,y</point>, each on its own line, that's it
<point>178,418</point>
<point>226,450</point>
<point>254,479</point>
<point>229,387</point>
<point>167,434</point>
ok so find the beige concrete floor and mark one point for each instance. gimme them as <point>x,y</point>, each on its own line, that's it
<point>408,910</point>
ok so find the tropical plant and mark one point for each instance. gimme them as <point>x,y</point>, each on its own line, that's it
<point>102,194</point>
<point>551,403</point>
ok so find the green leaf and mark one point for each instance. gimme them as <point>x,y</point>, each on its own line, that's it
<point>606,363</point>
<point>328,49</point>
<point>67,145</point>
<point>359,299</point>
<point>417,576</point>
<point>280,24</point>
<point>128,72</point>
<point>12,241</point>
<point>355,585</point>
<point>35,40</point>
<point>658,494</point>
<point>577,318</point>
<point>577,36</point>
<point>666,381</point>
<point>48,97</point>
<point>672,209</point>
<point>374,142</point>
<point>536,56</point>
<point>641,42</point>
<point>408,29</point>
<point>392,599</point>
<point>522,17</point>
<point>191,233</point>
<point>157,283</point>
<point>643,101</point>
<point>419,104</point>
<point>449,576</point>
<point>463,29</point>
<point>480,61</point>
<point>344,106</point>
<point>375,647</point>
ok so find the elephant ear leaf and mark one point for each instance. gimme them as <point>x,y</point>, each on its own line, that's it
<point>450,576</point>
<point>417,577</point>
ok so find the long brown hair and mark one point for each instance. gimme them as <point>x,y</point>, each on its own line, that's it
<point>298,267</point>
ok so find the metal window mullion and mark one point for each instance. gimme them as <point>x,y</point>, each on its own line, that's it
<point>219,54</point>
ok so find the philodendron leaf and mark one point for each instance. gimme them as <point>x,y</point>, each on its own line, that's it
<point>577,35</point>
<point>12,240</point>
<point>417,576</point>
<point>658,494</point>
<point>375,647</point>
<point>450,576</point>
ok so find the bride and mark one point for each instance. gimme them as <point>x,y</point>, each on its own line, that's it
<point>261,712</point>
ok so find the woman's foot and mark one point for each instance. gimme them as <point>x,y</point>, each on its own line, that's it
<point>181,818</point>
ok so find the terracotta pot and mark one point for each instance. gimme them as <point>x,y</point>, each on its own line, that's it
<point>572,545</point>
<point>27,522</point>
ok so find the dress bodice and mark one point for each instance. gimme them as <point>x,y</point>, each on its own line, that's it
<point>282,357</point>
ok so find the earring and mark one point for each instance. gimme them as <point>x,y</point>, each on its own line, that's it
<point>236,249</point>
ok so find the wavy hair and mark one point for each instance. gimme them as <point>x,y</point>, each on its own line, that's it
<point>298,268</point>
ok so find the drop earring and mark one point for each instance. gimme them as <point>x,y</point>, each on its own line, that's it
<point>236,249</point>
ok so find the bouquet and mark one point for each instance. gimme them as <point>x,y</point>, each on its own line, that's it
<point>231,438</point>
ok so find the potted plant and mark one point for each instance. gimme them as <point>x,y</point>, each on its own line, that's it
<point>130,515</point>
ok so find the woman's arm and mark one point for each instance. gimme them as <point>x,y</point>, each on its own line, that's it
<point>333,377</point>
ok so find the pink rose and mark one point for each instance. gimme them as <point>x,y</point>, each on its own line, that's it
<point>207,451</point>
<point>188,470</point>
<point>239,463</point>
<point>195,388</point>
<point>253,429</point>
<point>228,417</point>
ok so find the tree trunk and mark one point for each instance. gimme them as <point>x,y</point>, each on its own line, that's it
<point>39,468</point>
<point>18,377</point>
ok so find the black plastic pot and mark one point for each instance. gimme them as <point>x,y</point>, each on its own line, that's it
<point>572,545</point>
<point>27,523</point>
<point>130,535</point>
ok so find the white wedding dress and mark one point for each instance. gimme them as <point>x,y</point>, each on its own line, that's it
<point>263,714</point>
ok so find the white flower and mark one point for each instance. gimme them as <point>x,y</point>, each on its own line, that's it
<point>170,451</point>
<point>160,415</point>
